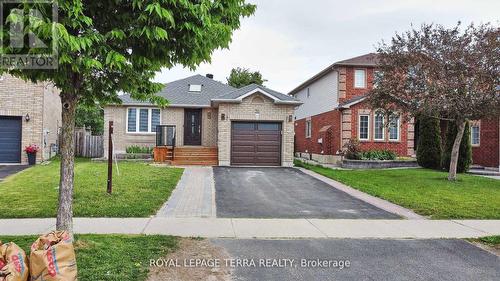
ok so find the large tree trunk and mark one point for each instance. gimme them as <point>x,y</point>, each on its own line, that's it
<point>67,148</point>
<point>452,176</point>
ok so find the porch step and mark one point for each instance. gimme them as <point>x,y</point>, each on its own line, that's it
<point>207,156</point>
<point>195,162</point>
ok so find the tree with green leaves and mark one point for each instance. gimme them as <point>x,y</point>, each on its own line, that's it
<point>447,73</point>
<point>241,77</point>
<point>429,143</point>
<point>90,116</point>
<point>465,152</point>
<point>107,47</point>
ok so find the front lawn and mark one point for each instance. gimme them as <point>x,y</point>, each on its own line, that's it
<point>111,257</point>
<point>427,192</point>
<point>139,191</point>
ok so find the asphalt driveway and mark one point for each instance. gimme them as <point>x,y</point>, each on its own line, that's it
<point>439,260</point>
<point>7,170</point>
<point>285,193</point>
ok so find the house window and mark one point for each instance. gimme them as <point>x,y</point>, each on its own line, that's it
<point>359,78</point>
<point>143,120</point>
<point>308,93</point>
<point>364,127</point>
<point>475,133</point>
<point>308,128</point>
<point>132,118</point>
<point>378,125</point>
<point>394,128</point>
<point>377,77</point>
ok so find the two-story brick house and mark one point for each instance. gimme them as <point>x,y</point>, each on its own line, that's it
<point>29,114</point>
<point>334,110</point>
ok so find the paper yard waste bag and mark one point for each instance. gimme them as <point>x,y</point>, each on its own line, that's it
<point>53,258</point>
<point>13,263</point>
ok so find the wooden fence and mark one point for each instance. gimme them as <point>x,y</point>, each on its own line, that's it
<point>87,145</point>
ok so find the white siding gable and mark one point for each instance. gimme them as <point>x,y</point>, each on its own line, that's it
<point>323,96</point>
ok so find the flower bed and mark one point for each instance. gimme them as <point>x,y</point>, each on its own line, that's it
<point>378,164</point>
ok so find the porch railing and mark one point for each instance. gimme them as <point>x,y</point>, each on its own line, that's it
<point>166,136</point>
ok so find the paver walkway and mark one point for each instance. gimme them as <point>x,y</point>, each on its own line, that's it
<point>194,196</point>
<point>264,228</point>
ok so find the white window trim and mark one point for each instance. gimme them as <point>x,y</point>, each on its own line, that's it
<point>359,127</point>
<point>308,129</point>
<point>365,84</point>
<point>479,136</point>
<point>137,117</point>
<point>383,127</point>
<point>398,127</point>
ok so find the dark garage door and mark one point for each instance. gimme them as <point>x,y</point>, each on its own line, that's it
<point>10,139</point>
<point>256,144</point>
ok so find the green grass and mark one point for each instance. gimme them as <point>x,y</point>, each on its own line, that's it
<point>139,190</point>
<point>493,241</point>
<point>427,192</point>
<point>111,257</point>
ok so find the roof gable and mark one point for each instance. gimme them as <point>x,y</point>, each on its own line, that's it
<point>239,94</point>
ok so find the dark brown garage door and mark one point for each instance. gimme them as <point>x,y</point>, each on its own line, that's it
<point>10,139</point>
<point>256,144</point>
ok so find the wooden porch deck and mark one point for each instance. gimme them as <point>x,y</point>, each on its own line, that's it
<point>187,155</point>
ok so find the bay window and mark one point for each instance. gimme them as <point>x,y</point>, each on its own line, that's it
<point>394,125</point>
<point>364,127</point>
<point>378,129</point>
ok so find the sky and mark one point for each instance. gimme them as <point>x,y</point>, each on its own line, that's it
<point>289,41</point>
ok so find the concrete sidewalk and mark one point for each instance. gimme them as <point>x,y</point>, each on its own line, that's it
<point>264,228</point>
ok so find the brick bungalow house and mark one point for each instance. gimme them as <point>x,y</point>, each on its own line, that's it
<point>334,110</point>
<point>29,114</point>
<point>210,123</point>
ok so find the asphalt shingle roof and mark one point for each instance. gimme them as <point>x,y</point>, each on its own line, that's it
<point>178,94</point>
<point>241,91</point>
<point>352,101</point>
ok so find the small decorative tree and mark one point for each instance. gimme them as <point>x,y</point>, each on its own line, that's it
<point>465,154</point>
<point>429,143</point>
<point>449,74</point>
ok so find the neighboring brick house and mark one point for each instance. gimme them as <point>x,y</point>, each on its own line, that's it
<point>29,114</point>
<point>485,138</point>
<point>334,110</point>
<point>252,125</point>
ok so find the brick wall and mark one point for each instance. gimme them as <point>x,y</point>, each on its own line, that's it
<point>51,120</point>
<point>18,98</point>
<point>169,116</point>
<point>122,139</point>
<point>403,147</point>
<point>246,111</point>
<point>487,153</point>
<point>347,82</point>
<point>311,145</point>
<point>209,127</point>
